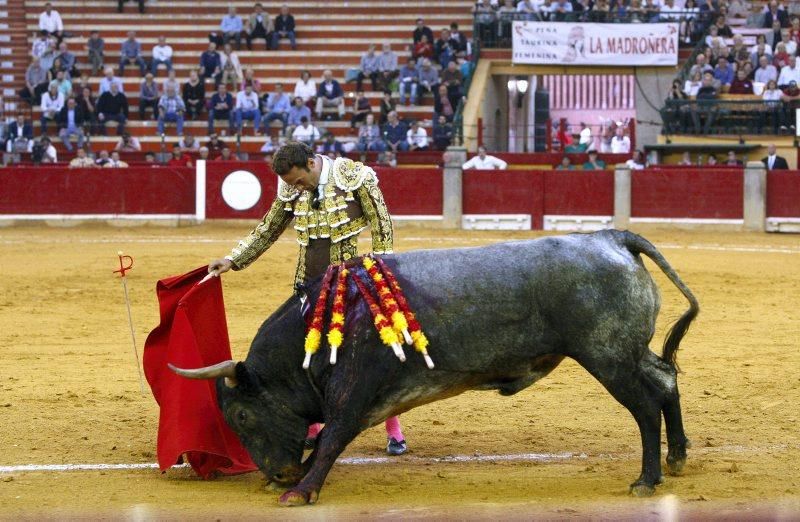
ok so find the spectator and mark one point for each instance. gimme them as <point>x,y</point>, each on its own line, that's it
<point>36,83</point>
<point>566,164</point>
<point>669,12</point>
<point>789,44</point>
<point>790,73</point>
<point>331,146</point>
<point>231,67</point>
<point>361,108</point>
<point>43,151</point>
<point>484,161</point>
<point>305,132</point>
<point>369,136</point>
<point>422,30</point>
<point>442,105</point>
<point>52,103</point>
<point>620,144</point>
<point>112,106</point>
<point>68,60</point>
<point>230,28</point>
<point>485,21</point>
<point>162,55</point>
<point>171,82</point>
<point>61,83</point>
<point>774,14</point>
<point>395,133</point>
<point>211,64</point>
<point>453,79</point>
<point>276,107</point>
<point>40,45</point>
<point>81,160</point>
<point>772,161</point>
<point>284,28</point>
<point>772,106</point>
<point>442,49</point>
<point>637,162</point>
<point>417,137</point>
<point>505,15</point>
<point>48,57</point>
<point>724,74</point>
<point>766,71</point>
<point>529,10</point>
<point>148,97</point>
<point>194,95</point>
<point>780,58</point>
<point>171,109</point>
<point>51,24</point>
<point>109,79</point>
<point>686,160</point>
<point>791,101</point>
<point>214,144</point>
<point>700,66</point>
<point>130,53</point>
<point>102,158</point>
<point>95,47</point>
<point>271,145</point>
<point>442,133</point>
<point>428,78</point>
<point>19,135</point>
<point>203,154</point>
<point>87,104</point>
<point>387,66</point>
<point>70,122</point>
<point>408,81</point>
<point>115,162</point>
<point>305,88</point>
<point>330,94</point>
<point>423,49</point>
<point>128,143</point>
<point>121,2</point>
<point>225,155</point>
<point>387,159</point>
<point>188,144</point>
<point>258,26</point>
<point>221,108</point>
<point>741,85</point>
<point>723,29</point>
<point>732,160</point>
<point>251,80</point>
<point>593,163</point>
<point>296,113</point>
<point>387,106</point>
<point>179,158</point>
<point>368,68</point>
<point>706,106</point>
<point>247,108</point>
<point>458,42</point>
<point>149,157</point>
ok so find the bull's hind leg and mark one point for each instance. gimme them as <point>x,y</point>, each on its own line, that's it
<point>622,376</point>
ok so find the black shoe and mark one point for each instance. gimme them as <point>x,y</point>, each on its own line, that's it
<point>395,447</point>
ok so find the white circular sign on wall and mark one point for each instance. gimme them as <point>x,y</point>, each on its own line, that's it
<point>241,190</point>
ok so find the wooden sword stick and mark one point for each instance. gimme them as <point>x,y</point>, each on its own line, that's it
<point>121,272</point>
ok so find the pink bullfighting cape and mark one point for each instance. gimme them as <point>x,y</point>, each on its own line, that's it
<point>193,333</point>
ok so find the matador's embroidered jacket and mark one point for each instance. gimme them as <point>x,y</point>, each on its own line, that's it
<point>351,201</point>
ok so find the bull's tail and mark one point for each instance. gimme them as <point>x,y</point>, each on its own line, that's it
<point>636,244</point>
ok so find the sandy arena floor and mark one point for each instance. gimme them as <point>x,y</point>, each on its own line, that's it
<point>69,394</point>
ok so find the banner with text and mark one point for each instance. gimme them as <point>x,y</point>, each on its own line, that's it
<point>558,43</point>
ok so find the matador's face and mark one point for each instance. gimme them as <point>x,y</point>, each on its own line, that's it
<point>302,178</point>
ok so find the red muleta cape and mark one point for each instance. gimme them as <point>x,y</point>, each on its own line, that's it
<point>193,333</point>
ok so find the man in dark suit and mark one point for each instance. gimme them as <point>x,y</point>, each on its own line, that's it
<point>773,161</point>
<point>19,135</point>
<point>774,13</point>
<point>70,122</point>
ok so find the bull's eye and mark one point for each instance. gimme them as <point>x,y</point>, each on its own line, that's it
<point>242,416</point>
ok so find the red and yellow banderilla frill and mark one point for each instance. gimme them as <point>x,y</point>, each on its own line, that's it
<point>414,329</point>
<point>336,328</point>
<point>385,330</point>
<point>386,299</point>
<point>314,334</point>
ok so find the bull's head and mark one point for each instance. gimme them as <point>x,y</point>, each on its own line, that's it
<point>269,430</point>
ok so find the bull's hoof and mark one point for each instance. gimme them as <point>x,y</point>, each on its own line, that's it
<point>675,465</point>
<point>641,490</point>
<point>297,498</point>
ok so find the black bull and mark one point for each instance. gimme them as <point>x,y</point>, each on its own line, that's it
<point>498,317</point>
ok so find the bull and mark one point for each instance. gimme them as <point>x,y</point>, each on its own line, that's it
<point>498,317</point>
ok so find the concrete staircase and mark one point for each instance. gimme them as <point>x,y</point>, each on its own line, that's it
<point>330,35</point>
<point>13,54</point>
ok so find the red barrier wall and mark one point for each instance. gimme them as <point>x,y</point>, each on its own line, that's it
<point>579,193</point>
<point>783,193</point>
<point>135,190</point>
<point>412,192</point>
<point>699,193</point>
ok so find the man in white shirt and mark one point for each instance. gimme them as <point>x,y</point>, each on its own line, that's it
<point>789,73</point>
<point>247,108</point>
<point>669,12</point>
<point>417,137</point>
<point>107,80</point>
<point>766,71</point>
<point>484,162</point>
<point>162,54</point>
<point>40,45</point>
<point>50,22</point>
<point>620,144</point>
<point>305,88</point>
<point>306,133</point>
<point>52,102</point>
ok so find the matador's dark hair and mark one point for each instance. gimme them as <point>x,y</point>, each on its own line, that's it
<point>292,154</point>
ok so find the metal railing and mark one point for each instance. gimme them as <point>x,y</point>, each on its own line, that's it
<point>732,117</point>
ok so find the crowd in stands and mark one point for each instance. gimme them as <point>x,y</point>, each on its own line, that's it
<point>220,89</point>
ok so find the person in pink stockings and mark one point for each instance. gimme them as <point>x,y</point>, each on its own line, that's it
<point>396,446</point>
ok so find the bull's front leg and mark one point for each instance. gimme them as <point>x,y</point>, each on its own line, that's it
<point>332,441</point>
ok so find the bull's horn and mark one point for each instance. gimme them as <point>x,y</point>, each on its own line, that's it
<point>225,369</point>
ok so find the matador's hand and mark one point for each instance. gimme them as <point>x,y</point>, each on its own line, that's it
<point>219,266</point>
